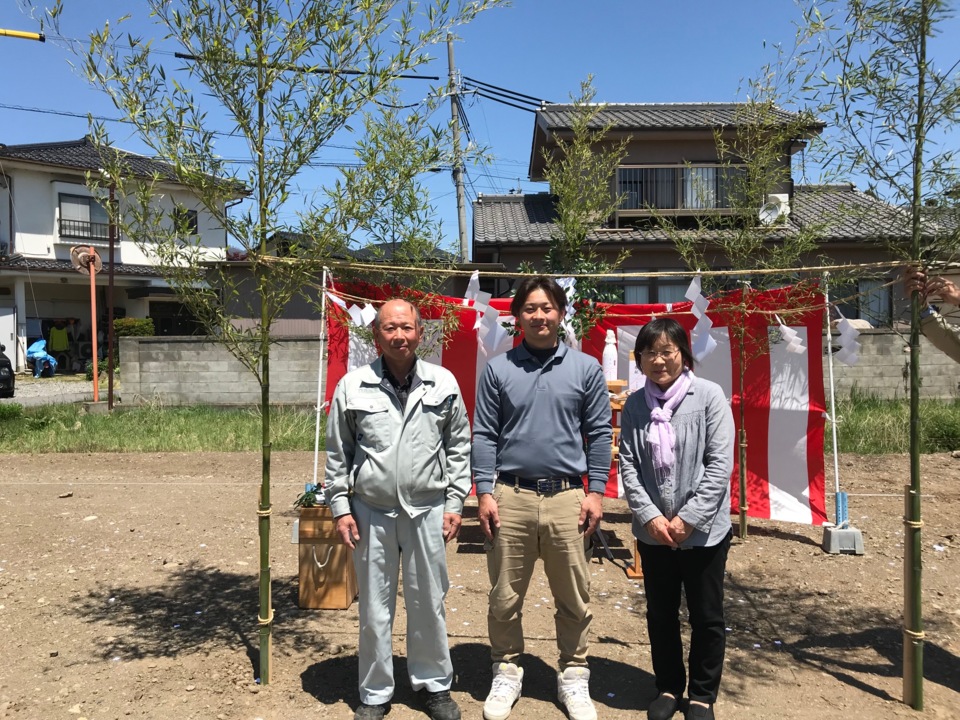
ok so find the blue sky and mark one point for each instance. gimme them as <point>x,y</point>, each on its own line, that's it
<point>636,50</point>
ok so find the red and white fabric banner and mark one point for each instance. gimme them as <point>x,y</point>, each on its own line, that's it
<point>781,402</point>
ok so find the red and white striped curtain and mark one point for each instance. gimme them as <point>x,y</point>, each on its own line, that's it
<point>782,398</point>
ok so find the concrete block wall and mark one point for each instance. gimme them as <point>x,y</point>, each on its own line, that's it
<point>197,370</point>
<point>883,369</point>
<point>200,371</point>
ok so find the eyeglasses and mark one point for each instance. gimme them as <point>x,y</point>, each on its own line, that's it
<point>650,355</point>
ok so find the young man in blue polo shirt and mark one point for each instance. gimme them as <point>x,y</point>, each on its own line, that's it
<point>542,422</point>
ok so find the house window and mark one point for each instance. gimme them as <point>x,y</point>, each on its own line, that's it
<point>644,188</point>
<point>636,294</point>
<point>185,221</point>
<point>875,302</point>
<point>83,217</point>
<point>869,300</point>
<point>660,291</point>
<point>693,187</point>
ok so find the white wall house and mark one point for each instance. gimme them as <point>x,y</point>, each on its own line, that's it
<point>45,210</point>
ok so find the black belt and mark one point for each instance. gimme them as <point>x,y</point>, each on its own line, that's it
<point>542,486</point>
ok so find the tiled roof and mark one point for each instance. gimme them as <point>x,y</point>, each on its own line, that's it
<point>83,155</point>
<point>661,116</point>
<point>946,218</point>
<point>18,262</point>
<point>839,213</point>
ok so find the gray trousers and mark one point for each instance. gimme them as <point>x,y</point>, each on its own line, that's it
<point>384,537</point>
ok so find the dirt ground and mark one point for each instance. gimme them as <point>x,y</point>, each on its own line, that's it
<point>136,597</point>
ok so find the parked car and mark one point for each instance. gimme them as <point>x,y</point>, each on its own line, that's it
<point>6,374</point>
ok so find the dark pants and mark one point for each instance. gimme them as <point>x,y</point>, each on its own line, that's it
<point>699,572</point>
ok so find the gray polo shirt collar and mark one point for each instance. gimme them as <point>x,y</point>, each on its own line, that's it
<point>526,356</point>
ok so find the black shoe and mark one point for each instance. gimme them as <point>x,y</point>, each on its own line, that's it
<point>440,706</point>
<point>699,712</point>
<point>371,712</point>
<point>663,707</point>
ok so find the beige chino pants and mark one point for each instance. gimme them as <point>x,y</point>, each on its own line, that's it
<point>538,526</point>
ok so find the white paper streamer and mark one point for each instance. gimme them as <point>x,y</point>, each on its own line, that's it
<point>473,288</point>
<point>367,314</point>
<point>356,315</point>
<point>794,341</point>
<point>849,352</point>
<point>702,341</point>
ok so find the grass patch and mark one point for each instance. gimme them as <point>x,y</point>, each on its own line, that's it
<point>66,428</point>
<point>873,426</point>
<point>867,425</point>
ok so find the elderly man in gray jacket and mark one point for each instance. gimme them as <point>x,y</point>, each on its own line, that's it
<point>398,470</point>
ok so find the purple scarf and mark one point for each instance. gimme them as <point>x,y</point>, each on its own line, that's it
<point>661,436</point>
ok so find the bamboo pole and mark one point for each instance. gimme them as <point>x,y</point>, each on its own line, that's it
<point>912,520</point>
<point>265,617</point>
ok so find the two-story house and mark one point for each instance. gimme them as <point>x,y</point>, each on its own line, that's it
<point>46,210</point>
<point>674,173</point>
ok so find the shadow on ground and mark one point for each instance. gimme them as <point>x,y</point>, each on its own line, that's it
<point>826,635</point>
<point>335,680</point>
<point>198,608</point>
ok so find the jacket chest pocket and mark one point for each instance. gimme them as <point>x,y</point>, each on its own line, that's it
<point>436,409</point>
<point>373,422</point>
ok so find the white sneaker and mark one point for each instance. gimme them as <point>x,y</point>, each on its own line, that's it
<point>573,690</point>
<point>504,692</point>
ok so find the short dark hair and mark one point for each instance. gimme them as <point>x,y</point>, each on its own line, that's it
<point>538,282</point>
<point>664,327</point>
<point>416,311</point>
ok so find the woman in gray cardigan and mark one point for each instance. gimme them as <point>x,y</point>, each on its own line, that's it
<point>676,456</point>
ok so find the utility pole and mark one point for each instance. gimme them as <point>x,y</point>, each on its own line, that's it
<point>457,156</point>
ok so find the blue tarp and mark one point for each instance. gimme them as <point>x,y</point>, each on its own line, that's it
<point>37,352</point>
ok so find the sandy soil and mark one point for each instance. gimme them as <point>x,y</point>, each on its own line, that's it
<point>136,597</point>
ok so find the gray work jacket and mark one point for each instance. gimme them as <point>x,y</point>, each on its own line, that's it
<point>408,459</point>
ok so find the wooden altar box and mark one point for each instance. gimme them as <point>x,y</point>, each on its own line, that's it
<point>327,579</point>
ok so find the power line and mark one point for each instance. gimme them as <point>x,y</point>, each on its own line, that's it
<point>479,93</point>
<point>505,92</point>
<point>124,121</point>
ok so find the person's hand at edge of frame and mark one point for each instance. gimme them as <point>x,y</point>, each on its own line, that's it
<point>915,280</point>
<point>946,290</point>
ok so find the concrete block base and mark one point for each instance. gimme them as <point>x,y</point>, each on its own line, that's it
<point>846,541</point>
<point>96,408</point>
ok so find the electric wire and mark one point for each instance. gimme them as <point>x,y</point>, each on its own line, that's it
<point>514,93</point>
<point>479,93</point>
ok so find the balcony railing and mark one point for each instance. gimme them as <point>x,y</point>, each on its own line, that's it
<point>84,229</point>
<point>679,188</point>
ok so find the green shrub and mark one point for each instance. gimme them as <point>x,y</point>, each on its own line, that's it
<point>133,327</point>
<point>101,368</point>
